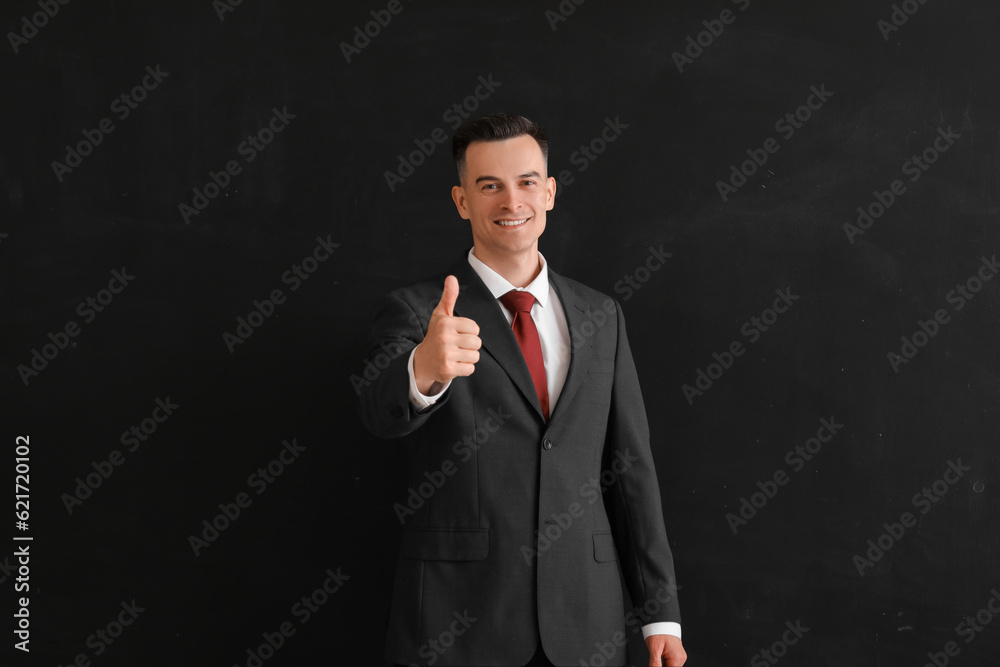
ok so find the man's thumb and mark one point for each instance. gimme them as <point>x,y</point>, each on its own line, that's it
<point>449,296</point>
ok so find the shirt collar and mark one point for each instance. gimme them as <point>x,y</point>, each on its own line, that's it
<point>498,285</point>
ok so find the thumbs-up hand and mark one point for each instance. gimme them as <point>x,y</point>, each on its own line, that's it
<point>451,347</point>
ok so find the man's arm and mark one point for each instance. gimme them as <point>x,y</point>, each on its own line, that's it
<point>403,358</point>
<point>633,502</point>
<point>383,387</point>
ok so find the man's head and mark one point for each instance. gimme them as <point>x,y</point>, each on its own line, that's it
<point>496,127</point>
<point>504,189</point>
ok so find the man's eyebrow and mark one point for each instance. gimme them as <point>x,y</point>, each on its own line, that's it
<point>530,174</point>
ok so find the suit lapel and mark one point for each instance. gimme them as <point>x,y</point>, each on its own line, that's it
<point>476,302</point>
<point>582,347</point>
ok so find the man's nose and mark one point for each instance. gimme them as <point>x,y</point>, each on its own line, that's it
<point>511,199</point>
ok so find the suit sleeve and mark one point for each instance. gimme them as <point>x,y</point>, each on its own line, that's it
<point>383,388</point>
<point>633,498</point>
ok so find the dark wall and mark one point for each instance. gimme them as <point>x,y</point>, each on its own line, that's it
<point>763,535</point>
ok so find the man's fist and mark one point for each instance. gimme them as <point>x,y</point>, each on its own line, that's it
<point>451,347</point>
<point>665,650</point>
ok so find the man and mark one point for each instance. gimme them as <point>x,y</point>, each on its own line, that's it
<point>520,409</point>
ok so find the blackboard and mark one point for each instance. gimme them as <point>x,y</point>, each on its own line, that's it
<point>202,201</point>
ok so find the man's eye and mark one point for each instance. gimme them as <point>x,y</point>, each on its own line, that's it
<point>489,186</point>
<point>529,182</point>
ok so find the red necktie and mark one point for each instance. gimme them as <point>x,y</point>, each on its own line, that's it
<point>520,303</point>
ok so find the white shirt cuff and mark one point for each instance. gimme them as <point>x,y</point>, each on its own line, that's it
<point>419,401</point>
<point>662,628</point>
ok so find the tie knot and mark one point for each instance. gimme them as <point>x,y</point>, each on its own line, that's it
<point>518,301</point>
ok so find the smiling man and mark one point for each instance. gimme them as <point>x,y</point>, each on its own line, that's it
<point>529,446</point>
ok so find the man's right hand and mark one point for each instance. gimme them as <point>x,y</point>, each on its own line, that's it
<point>451,347</point>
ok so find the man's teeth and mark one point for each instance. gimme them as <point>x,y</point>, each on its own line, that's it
<point>511,223</point>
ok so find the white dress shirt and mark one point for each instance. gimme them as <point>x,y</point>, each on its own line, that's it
<point>553,334</point>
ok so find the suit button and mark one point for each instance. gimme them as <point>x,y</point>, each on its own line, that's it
<point>396,412</point>
<point>546,443</point>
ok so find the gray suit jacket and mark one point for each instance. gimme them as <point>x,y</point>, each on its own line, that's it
<point>514,528</point>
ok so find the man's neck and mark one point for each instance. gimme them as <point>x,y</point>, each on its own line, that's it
<point>519,270</point>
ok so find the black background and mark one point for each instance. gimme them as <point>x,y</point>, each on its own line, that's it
<point>324,176</point>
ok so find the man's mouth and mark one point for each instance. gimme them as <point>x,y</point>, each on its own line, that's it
<point>511,223</point>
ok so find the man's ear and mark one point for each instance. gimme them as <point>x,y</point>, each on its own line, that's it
<point>550,193</point>
<point>458,196</point>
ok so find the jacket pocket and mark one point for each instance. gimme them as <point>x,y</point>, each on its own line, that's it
<point>604,547</point>
<point>601,366</point>
<point>446,544</point>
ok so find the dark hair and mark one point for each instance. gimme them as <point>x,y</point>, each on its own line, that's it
<point>496,127</point>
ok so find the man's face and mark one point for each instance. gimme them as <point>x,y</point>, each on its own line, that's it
<point>504,195</point>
